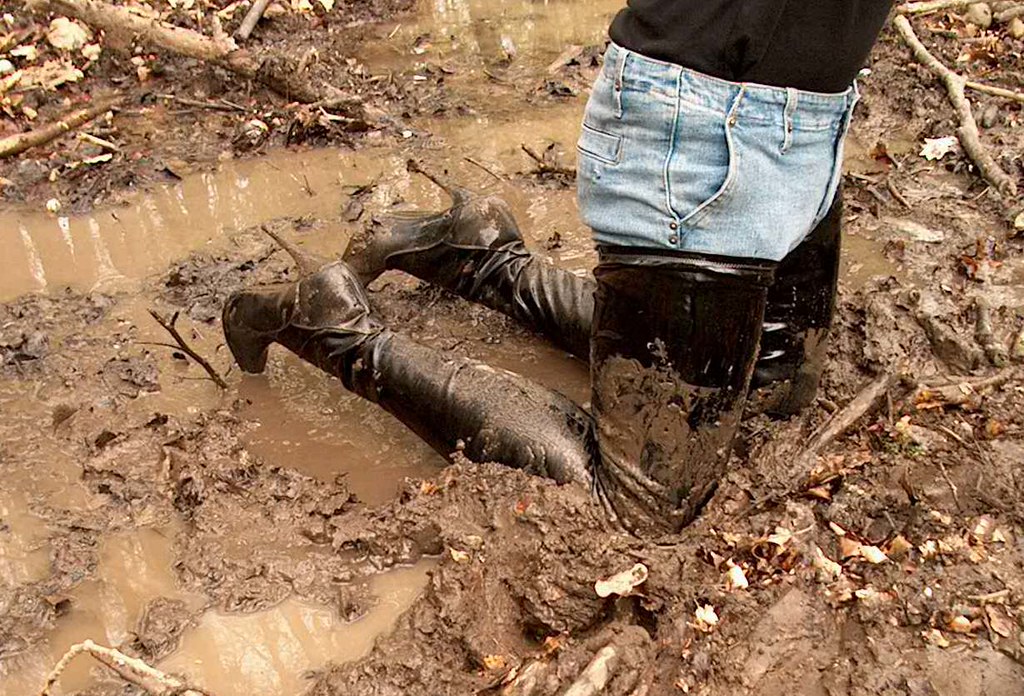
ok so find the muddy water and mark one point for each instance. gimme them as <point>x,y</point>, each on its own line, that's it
<point>265,652</point>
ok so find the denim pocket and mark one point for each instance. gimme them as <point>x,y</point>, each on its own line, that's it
<point>605,147</point>
<point>702,163</point>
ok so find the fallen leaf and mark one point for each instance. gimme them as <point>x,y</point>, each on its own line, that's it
<point>781,537</point>
<point>959,624</point>
<point>999,623</point>
<point>826,569</point>
<point>872,554</point>
<point>737,579</point>
<point>705,618</point>
<point>67,35</point>
<point>848,548</point>
<point>494,662</point>
<point>459,556</point>
<point>934,637</point>
<point>622,583</point>
<point>937,148</point>
<point>53,206</point>
<point>898,547</point>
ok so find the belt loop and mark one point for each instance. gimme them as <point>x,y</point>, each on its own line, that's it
<point>792,98</point>
<point>620,70</point>
<point>734,109</point>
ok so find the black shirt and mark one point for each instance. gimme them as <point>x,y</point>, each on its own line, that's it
<point>815,45</point>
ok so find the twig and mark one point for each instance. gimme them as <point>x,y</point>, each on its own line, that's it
<point>962,393</point>
<point>859,406</point>
<point>985,335</point>
<point>223,105</point>
<point>543,166</point>
<point>804,462</point>
<point>252,18</point>
<point>995,91</point>
<point>16,144</point>
<point>98,142</point>
<point>968,129</point>
<point>952,486</point>
<point>990,597</point>
<point>186,349</point>
<point>131,669</point>
<point>934,5</point>
<point>896,193</point>
<point>483,166</point>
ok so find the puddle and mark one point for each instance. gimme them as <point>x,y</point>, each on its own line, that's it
<point>233,655</point>
<point>268,652</point>
<point>478,33</point>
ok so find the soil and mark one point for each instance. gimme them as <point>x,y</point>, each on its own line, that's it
<point>281,536</point>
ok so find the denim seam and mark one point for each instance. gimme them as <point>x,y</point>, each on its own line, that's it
<point>791,106</point>
<point>618,87</point>
<point>701,212</point>
<point>671,149</point>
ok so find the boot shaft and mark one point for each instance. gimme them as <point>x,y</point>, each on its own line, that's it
<point>672,351</point>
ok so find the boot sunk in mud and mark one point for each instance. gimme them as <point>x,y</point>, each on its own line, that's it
<point>454,404</point>
<point>475,249</point>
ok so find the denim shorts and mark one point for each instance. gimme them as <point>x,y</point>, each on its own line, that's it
<point>674,159</point>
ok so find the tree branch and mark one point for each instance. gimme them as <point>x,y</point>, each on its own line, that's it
<point>186,349</point>
<point>968,130</point>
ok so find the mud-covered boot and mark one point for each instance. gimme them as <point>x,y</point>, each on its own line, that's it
<point>675,338</point>
<point>475,249</point>
<point>453,404</point>
<point>798,317</point>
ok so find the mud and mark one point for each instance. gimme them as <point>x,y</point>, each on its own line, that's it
<point>284,537</point>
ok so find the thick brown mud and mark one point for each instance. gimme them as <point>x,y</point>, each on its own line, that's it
<point>285,537</point>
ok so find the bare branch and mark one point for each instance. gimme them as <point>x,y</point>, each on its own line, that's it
<point>968,130</point>
<point>186,349</point>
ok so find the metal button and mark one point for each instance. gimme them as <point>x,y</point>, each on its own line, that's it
<point>732,120</point>
<point>673,239</point>
<point>673,225</point>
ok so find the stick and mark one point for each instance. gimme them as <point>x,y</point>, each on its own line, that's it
<point>483,166</point>
<point>597,674</point>
<point>274,71</point>
<point>804,462</point>
<point>968,130</point>
<point>16,144</point>
<point>843,420</point>
<point>252,18</point>
<point>995,91</point>
<point>131,669</point>
<point>934,5</point>
<point>960,393</point>
<point>185,348</point>
<point>222,106</point>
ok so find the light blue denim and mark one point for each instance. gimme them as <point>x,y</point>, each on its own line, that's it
<point>673,159</point>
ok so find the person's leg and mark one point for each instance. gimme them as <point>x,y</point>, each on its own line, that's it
<point>674,341</point>
<point>798,318</point>
<point>452,403</point>
<point>475,249</point>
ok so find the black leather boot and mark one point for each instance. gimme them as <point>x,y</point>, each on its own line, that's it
<point>801,303</point>
<point>454,404</point>
<point>475,249</point>
<point>673,347</point>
